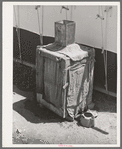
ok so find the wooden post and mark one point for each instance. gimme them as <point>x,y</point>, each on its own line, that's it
<point>65,65</point>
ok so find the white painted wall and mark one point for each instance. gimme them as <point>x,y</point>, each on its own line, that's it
<point>88,28</point>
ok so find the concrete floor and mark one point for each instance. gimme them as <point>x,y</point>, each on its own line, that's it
<point>33,124</point>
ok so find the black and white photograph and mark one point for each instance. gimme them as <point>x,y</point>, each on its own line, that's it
<point>61,74</point>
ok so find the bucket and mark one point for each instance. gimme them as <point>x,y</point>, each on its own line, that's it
<point>87,120</point>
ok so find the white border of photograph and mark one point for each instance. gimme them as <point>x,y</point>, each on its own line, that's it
<point>7,72</point>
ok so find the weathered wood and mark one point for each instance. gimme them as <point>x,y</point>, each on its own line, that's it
<point>24,63</point>
<point>49,81</point>
<point>65,32</point>
<point>104,91</point>
<point>64,65</point>
<point>55,77</point>
<point>39,71</point>
<point>55,56</point>
<point>49,106</point>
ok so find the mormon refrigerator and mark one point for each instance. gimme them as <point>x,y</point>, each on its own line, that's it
<point>64,78</point>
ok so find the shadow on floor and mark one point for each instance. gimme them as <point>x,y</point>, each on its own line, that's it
<point>27,94</point>
<point>33,113</point>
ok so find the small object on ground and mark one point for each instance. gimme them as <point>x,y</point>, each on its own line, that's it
<point>93,112</point>
<point>18,132</point>
<point>87,120</point>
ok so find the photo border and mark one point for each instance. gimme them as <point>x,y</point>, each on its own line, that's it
<point>7,74</point>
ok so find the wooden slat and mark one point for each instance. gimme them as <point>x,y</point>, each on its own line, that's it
<point>104,91</point>
<point>39,72</point>
<point>64,64</point>
<point>51,55</point>
<point>49,81</point>
<point>48,105</point>
<point>24,63</point>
